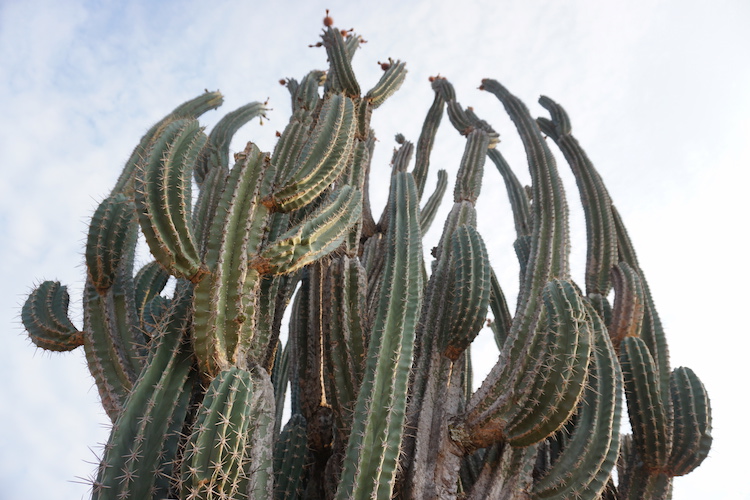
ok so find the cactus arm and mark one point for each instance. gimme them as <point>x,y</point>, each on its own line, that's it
<point>502,322</point>
<point>149,282</point>
<point>588,458</point>
<point>109,231</point>
<point>45,317</point>
<point>163,199</point>
<point>341,76</point>
<point>426,140</point>
<point>320,234</point>
<point>692,422</point>
<point>216,152</point>
<point>519,202</point>
<point>430,208</point>
<point>652,430</point>
<point>205,207</point>
<point>652,331</point>
<point>323,157</point>
<point>628,309</point>
<point>471,285</point>
<point>373,450</point>
<point>291,141</point>
<point>388,84</point>
<point>548,258</point>
<point>220,298</point>
<point>228,453</point>
<point>601,238</point>
<point>344,338</point>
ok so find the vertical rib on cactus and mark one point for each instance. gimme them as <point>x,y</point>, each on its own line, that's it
<point>373,450</point>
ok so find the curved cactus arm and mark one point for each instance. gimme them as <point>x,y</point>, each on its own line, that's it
<point>107,362</point>
<point>560,382</point>
<point>164,202</point>
<point>45,317</point>
<point>600,230</point>
<point>110,251</point>
<point>627,312</point>
<point>550,219</point>
<point>590,454</point>
<point>547,258</point>
<point>190,109</point>
<point>471,285</point>
<point>111,227</point>
<point>223,312</point>
<point>652,429</point>
<point>692,422</point>
<point>340,75</point>
<point>304,94</point>
<point>149,281</point>
<point>389,83</point>
<point>216,152</point>
<point>140,447</point>
<point>374,445</point>
<point>430,208</point>
<point>317,236</point>
<point>323,157</point>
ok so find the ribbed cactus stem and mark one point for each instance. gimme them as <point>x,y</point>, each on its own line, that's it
<point>373,450</point>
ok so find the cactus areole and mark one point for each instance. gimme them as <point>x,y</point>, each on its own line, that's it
<point>377,358</point>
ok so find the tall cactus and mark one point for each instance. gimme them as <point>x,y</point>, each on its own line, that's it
<point>376,354</point>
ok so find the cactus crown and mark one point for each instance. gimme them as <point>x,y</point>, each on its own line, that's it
<point>377,361</point>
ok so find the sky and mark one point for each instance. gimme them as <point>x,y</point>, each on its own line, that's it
<point>657,93</point>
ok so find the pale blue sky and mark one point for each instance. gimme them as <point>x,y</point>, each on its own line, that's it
<point>657,93</point>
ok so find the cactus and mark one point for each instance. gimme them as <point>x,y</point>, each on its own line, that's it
<point>376,354</point>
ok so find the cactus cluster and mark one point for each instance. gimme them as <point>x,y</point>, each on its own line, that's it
<point>376,359</point>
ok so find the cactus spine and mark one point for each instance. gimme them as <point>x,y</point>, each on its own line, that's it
<point>377,357</point>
